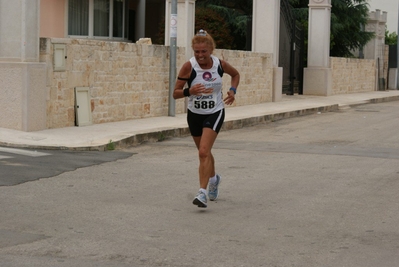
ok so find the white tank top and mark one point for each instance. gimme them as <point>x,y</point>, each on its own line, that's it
<point>210,78</point>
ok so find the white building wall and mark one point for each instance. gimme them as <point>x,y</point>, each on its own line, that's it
<point>23,78</point>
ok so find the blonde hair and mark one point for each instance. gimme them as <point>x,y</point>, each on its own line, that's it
<point>203,37</point>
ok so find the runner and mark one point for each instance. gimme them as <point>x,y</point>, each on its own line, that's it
<point>205,115</point>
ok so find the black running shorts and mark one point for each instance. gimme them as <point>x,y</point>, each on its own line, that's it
<point>196,122</point>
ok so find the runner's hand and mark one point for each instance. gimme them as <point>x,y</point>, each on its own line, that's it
<point>229,99</point>
<point>199,89</point>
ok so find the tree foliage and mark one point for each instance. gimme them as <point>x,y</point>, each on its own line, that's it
<point>391,38</point>
<point>209,20</point>
<point>225,20</point>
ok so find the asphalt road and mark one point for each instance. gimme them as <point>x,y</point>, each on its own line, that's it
<point>318,190</point>
<point>23,165</point>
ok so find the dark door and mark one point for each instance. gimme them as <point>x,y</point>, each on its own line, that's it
<point>291,50</point>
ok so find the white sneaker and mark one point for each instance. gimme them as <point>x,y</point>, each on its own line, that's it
<point>200,200</point>
<point>213,191</point>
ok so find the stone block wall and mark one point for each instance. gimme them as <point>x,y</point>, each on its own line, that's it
<point>352,75</point>
<point>256,76</point>
<point>131,81</point>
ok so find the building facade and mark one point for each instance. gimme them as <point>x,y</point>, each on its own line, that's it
<point>67,63</point>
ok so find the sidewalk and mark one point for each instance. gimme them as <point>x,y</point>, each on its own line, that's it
<point>134,132</point>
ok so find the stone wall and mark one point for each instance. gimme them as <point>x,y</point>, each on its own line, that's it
<point>351,75</point>
<point>131,81</point>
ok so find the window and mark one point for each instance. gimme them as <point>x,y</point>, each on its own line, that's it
<point>117,26</point>
<point>97,18</point>
<point>101,17</point>
<point>78,17</point>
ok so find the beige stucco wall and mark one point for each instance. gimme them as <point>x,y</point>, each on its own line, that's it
<point>52,18</point>
<point>23,94</point>
<point>130,81</point>
<point>351,75</point>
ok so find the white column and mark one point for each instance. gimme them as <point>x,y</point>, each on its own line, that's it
<point>376,24</point>
<point>266,36</point>
<point>318,75</point>
<point>376,47</point>
<point>23,78</point>
<point>185,24</point>
<point>266,27</point>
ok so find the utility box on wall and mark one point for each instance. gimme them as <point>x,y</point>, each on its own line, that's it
<point>59,57</point>
<point>82,106</point>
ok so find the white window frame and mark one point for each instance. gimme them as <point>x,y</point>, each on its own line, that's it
<point>91,23</point>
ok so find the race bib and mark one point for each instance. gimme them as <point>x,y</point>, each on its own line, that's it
<point>205,101</point>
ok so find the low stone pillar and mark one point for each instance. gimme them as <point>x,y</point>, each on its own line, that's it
<point>318,74</point>
<point>266,37</point>
<point>23,78</point>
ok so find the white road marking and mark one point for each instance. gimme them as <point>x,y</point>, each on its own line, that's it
<point>29,153</point>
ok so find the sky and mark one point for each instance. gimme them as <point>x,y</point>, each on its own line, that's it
<point>390,6</point>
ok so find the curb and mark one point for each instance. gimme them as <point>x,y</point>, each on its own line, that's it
<point>161,135</point>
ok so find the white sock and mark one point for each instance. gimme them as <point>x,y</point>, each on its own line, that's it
<point>203,190</point>
<point>213,179</point>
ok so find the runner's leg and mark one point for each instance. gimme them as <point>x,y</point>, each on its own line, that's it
<point>207,162</point>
